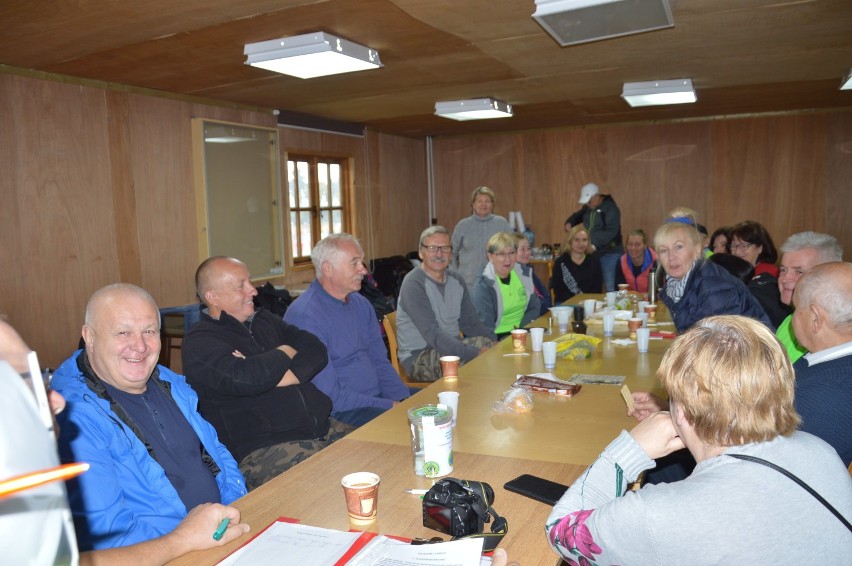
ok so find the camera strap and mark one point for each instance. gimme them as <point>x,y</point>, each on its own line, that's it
<point>499,525</point>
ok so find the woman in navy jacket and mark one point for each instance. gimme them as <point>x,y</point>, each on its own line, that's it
<point>694,287</point>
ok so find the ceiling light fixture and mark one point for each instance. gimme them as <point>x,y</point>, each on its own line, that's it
<point>311,55</point>
<point>656,93</point>
<point>847,81</point>
<point>570,22</point>
<point>473,109</point>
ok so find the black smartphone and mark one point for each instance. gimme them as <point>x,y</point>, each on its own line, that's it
<point>537,488</point>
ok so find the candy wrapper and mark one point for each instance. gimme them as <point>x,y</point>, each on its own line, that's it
<point>546,383</point>
<point>514,401</point>
<point>576,346</point>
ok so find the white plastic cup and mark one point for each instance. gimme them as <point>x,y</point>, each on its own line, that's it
<point>589,307</point>
<point>563,316</point>
<point>643,337</point>
<point>450,399</point>
<point>640,306</point>
<point>644,316</point>
<point>537,335</point>
<point>549,351</point>
<point>608,323</point>
<point>610,300</point>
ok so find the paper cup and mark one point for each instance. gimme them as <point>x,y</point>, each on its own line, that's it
<point>519,339</point>
<point>632,325</point>
<point>652,312</point>
<point>450,366</point>
<point>537,335</point>
<point>362,496</point>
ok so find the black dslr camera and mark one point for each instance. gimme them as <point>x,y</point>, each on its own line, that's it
<point>457,507</point>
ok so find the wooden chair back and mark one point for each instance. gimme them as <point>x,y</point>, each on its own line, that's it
<point>389,322</point>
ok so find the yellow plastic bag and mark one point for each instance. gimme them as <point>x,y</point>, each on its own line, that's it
<point>576,346</point>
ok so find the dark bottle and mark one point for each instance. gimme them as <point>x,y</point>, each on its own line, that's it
<point>578,326</point>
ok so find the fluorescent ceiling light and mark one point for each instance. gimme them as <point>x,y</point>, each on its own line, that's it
<point>655,93</point>
<point>473,109</point>
<point>227,134</point>
<point>311,55</point>
<point>847,82</point>
<point>570,22</point>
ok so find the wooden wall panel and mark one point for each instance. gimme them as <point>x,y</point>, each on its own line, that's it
<point>397,198</point>
<point>837,183</point>
<point>98,189</point>
<point>57,216</point>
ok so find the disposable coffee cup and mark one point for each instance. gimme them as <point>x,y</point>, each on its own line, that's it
<point>537,335</point>
<point>643,316</point>
<point>608,323</point>
<point>450,399</point>
<point>450,366</point>
<point>643,337</point>
<point>548,349</point>
<point>589,307</point>
<point>652,312</point>
<point>610,299</point>
<point>519,339</point>
<point>563,317</point>
<point>640,306</point>
<point>361,490</point>
<point>632,325</point>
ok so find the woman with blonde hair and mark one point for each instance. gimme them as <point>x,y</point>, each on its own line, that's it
<point>731,389</point>
<point>695,288</point>
<point>504,297</point>
<point>575,271</point>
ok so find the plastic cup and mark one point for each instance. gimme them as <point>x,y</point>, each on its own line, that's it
<point>589,307</point>
<point>549,351</point>
<point>640,306</point>
<point>643,316</point>
<point>450,366</point>
<point>610,300</point>
<point>608,323</point>
<point>563,317</point>
<point>450,399</point>
<point>633,324</point>
<point>362,496</point>
<point>643,337</point>
<point>519,339</point>
<point>537,335</point>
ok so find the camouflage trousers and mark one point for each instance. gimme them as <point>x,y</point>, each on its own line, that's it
<point>427,364</point>
<point>264,464</point>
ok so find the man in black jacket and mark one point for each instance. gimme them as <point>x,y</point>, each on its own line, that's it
<point>602,218</point>
<point>253,373</point>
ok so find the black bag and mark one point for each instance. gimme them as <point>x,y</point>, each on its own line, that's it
<point>370,290</point>
<point>274,300</point>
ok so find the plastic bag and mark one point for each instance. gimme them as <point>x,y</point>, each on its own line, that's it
<point>514,401</point>
<point>576,346</point>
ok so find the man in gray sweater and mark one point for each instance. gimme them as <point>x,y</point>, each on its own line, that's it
<point>435,315</point>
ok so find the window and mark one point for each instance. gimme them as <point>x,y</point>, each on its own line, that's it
<point>318,194</point>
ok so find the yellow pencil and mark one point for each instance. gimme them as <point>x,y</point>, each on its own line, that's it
<point>34,479</point>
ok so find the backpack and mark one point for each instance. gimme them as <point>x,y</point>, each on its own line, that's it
<point>274,300</point>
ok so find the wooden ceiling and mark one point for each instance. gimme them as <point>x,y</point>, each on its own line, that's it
<point>744,56</point>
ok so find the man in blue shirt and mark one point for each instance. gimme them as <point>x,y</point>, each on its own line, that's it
<point>359,378</point>
<point>152,457</point>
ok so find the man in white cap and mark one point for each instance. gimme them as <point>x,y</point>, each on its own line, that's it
<point>602,218</point>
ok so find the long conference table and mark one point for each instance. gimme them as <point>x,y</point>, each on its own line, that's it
<point>556,440</point>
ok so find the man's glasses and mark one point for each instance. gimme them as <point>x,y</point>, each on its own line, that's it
<point>436,249</point>
<point>744,246</point>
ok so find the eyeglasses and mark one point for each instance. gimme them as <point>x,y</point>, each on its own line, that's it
<point>504,255</point>
<point>436,249</point>
<point>737,247</point>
